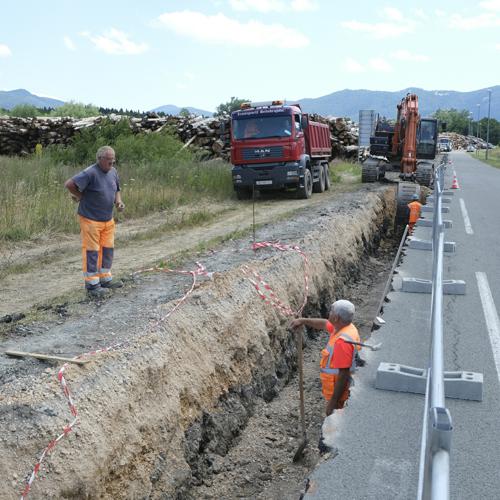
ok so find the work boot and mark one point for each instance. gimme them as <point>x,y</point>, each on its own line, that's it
<point>98,292</point>
<point>112,284</point>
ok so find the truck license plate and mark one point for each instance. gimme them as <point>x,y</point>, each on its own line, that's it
<point>263,183</point>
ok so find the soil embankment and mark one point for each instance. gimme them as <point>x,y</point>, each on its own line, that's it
<point>159,414</point>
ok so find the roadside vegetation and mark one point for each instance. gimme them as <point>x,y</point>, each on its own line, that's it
<point>493,156</point>
<point>156,173</point>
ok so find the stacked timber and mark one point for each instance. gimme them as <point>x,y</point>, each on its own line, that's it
<point>211,136</point>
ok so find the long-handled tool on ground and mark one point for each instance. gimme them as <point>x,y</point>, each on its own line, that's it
<point>300,360</point>
<point>375,347</point>
<point>46,357</point>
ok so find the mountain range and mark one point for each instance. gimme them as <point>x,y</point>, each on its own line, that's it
<point>341,103</point>
<point>349,102</point>
<point>11,98</point>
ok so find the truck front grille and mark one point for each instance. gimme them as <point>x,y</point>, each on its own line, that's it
<point>262,152</point>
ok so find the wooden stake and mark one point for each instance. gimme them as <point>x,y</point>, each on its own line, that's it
<point>47,357</point>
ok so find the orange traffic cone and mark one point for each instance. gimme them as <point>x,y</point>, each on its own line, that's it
<point>454,184</point>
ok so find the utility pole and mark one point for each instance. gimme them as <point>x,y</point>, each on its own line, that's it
<point>488,124</point>
<point>478,113</point>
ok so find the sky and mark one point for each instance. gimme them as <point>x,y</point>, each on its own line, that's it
<point>141,55</point>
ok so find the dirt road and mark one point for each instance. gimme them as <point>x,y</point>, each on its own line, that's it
<point>53,268</point>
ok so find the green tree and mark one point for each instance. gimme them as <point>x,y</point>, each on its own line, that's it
<point>185,113</point>
<point>230,106</point>
<point>76,110</point>
<point>24,111</point>
<point>456,121</point>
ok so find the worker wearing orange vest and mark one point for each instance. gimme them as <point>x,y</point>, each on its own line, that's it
<point>338,358</point>
<point>415,208</point>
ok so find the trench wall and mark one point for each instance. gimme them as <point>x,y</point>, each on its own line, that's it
<point>154,413</point>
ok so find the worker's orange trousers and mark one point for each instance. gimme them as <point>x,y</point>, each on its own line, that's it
<point>98,241</point>
<point>328,386</point>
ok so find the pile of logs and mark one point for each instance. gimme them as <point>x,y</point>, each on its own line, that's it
<point>462,141</point>
<point>19,136</point>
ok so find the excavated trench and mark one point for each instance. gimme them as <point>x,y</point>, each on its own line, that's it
<point>203,404</point>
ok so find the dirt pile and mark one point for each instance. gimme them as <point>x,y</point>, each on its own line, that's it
<point>158,413</point>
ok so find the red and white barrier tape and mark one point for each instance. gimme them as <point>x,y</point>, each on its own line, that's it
<point>67,428</point>
<point>263,288</point>
<point>200,271</point>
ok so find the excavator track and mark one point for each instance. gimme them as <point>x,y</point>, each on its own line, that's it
<point>372,170</point>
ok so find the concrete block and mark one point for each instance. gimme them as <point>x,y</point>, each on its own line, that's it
<point>401,378</point>
<point>417,285</point>
<point>427,208</point>
<point>428,223</point>
<point>418,244</point>
<point>430,199</point>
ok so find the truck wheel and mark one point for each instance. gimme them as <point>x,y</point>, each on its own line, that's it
<point>306,192</point>
<point>243,193</point>
<point>327,176</point>
<point>319,187</point>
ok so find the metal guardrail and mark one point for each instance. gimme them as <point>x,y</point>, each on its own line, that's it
<point>434,469</point>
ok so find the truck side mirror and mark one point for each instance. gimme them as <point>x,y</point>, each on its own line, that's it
<point>222,128</point>
<point>304,122</point>
<point>443,126</point>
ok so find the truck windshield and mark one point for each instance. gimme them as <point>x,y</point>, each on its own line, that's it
<point>262,127</point>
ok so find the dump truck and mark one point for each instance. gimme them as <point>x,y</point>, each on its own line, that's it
<point>275,146</point>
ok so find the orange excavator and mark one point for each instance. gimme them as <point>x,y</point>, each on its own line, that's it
<point>408,146</point>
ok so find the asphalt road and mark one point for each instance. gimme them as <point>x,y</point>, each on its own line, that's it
<point>378,435</point>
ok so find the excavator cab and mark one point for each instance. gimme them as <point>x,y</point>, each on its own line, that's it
<point>427,138</point>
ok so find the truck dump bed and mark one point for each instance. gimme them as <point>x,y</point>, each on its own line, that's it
<point>318,143</point>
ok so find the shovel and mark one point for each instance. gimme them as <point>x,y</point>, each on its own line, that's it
<point>300,359</point>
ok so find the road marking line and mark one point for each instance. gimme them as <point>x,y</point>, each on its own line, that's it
<point>491,316</point>
<point>465,215</point>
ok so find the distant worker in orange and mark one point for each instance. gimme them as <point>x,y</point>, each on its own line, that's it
<point>415,209</point>
<point>338,359</point>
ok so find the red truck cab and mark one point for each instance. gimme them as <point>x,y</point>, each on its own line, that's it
<point>276,147</point>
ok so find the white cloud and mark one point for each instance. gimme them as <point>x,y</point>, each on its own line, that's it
<point>265,6</point>
<point>303,5</point>
<point>420,13</point>
<point>221,29</point>
<point>380,30</point>
<point>4,50</point>
<point>116,42</point>
<point>69,43</point>
<point>440,13</point>
<point>258,5</point>
<point>497,46</point>
<point>353,66</point>
<point>466,23</point>
<point>405,55</point>
<point>393,14</point>
<point>490,5</point>
<point>379,64</point>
